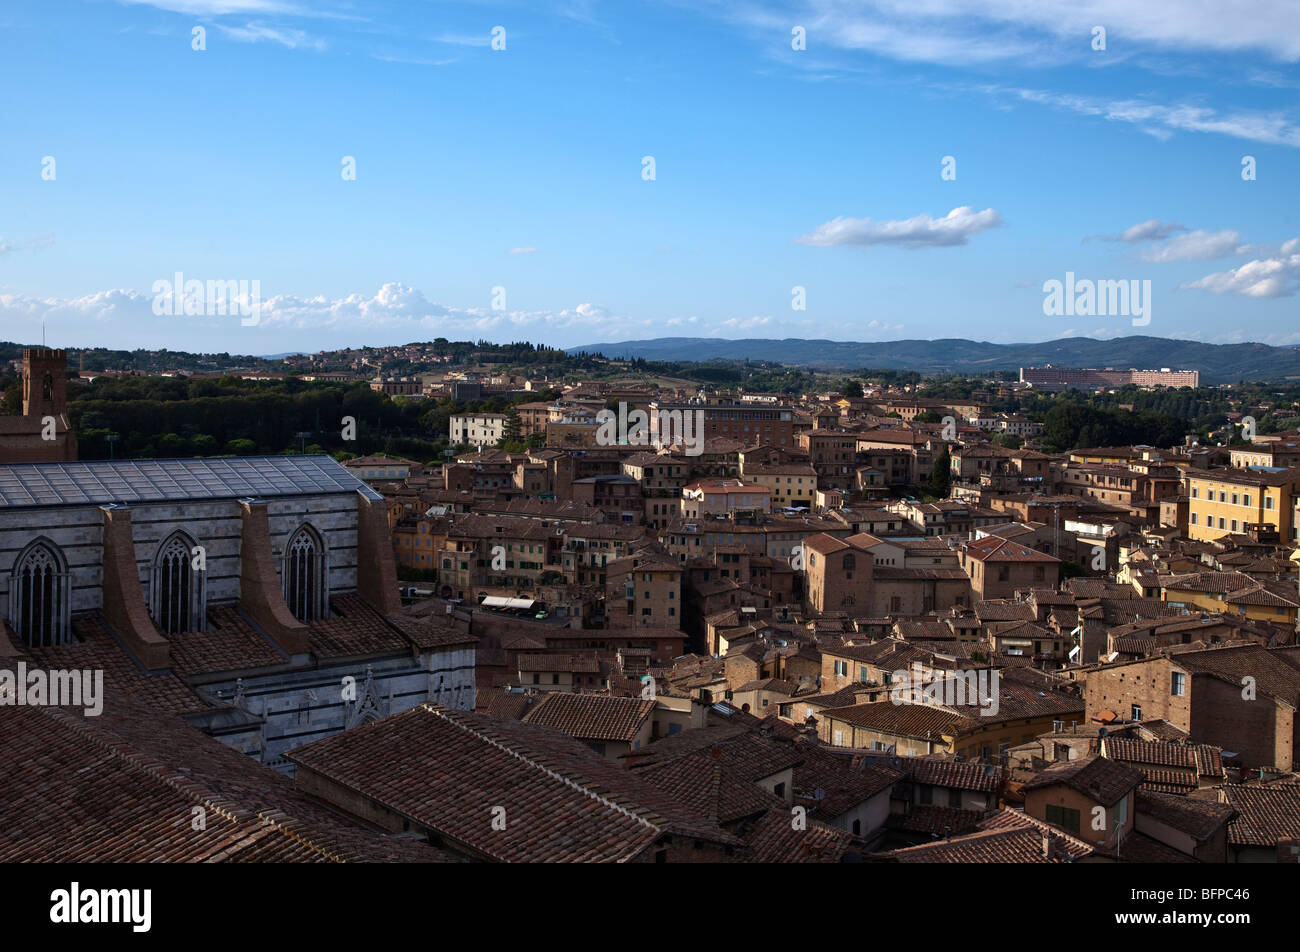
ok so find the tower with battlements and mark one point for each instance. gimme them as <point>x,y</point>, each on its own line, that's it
<point>42,434</point>
<point>45,382</point>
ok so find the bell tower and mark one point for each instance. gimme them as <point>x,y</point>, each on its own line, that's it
<point>45,382</point>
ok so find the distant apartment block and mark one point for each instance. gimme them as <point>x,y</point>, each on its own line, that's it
<point>1067,378</point>
<point>773,425</point>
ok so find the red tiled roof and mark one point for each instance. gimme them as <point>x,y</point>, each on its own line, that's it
<point>1097,778</point>
<point>447,770</point>
<point>986,846</point>
<point>951,773</point>
<point>774,839</point>
<point>592,716</point>
<point>126,786</point>
<point>1266,813</point>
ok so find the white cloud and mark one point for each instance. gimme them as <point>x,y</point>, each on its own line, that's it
<point>922,231</point>
<point>1261,278</point>
<point>1163,121</point>
<point>966,32</point>
<point>1150,230</point>
<point>521,251</point>
<point>260,33</point>
<point>395,307</point>
<point>1196,245</point>
<point>592,312</point>
<point>746,323</point>
<point>212,8</point>
<point>101,306</point>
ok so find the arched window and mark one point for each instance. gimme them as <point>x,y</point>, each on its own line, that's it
<point>39,596</point>
<point>306,587</point>
<point>176,590</point>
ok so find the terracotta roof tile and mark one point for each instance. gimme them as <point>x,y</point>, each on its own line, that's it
<point>446,770</point>
<point>592,716</point>
<point>1266,813</point>
<point>1098,778</point>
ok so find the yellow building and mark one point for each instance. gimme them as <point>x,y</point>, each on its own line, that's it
<point>418,543</point>
<point>1224,501</point>
<point>1105,455</point>
<point>1273,601</point>
<point>791,484</point>
<point>570,434</point>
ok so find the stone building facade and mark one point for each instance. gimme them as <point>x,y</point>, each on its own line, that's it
<point>256,596</point>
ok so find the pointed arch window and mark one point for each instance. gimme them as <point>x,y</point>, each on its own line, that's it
<point>306,589</point>
<point>40,596</point>
<point>176,593</point>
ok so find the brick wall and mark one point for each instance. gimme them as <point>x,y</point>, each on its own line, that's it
<point>376,564</point>
<point>259,585</point>
<point>124,608</point>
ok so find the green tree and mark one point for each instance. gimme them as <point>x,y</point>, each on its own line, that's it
<point>510,432</point>
<point>941,475</point>
<point>12,401</point>
<point>204,445</point>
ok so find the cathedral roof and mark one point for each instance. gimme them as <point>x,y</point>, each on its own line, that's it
<point>101,482</point>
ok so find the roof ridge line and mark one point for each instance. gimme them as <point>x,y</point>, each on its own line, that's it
<point>554,775</point>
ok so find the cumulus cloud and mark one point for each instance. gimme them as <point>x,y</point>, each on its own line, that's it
<point>1196,245</point>
<point>746,323</point>
<point>17,309</point>
<point>397,305</point>
<point>398,310</point>
<point>1259,278</point>
<point>922,231</point>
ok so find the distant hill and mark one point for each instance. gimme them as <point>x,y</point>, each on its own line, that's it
<point>1218,363</point>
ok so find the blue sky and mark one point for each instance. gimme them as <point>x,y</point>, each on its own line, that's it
<point>522,169</point>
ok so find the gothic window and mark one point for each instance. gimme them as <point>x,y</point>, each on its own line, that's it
<point>176,592</point>
<point>39,596</point>
<point>305,585</point>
